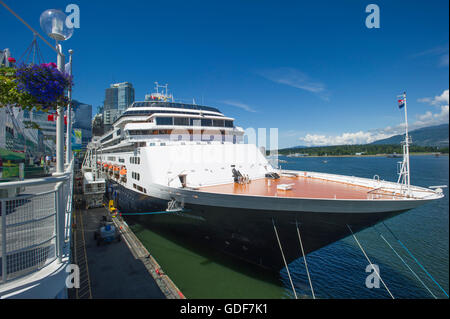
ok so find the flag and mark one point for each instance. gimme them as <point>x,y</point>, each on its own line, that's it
<point>401,103</point>
<point>76,140</point>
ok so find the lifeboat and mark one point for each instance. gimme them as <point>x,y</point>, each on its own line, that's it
<point>123,174</point>
<point>116,170</point>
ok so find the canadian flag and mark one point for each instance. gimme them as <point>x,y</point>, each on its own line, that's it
<point>52,118</point>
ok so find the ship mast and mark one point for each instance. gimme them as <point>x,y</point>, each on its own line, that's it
<point>404,174</point>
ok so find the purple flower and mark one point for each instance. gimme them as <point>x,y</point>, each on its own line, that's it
<point>45,83</point>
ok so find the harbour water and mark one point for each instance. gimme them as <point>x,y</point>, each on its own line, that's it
<point>338,270</point>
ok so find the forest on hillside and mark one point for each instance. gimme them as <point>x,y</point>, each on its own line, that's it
<point>365,149</point>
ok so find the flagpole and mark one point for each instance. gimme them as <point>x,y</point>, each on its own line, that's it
<point>406,145</point>
<point>69,116</point>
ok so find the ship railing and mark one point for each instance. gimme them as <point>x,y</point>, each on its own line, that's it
<point>175,138</point>
<point>387,186</point>
<point>35,224</point>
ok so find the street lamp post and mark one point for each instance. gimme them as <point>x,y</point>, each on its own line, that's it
<point>60,120</point>
<point>69,117</point>
<point>53,23</point>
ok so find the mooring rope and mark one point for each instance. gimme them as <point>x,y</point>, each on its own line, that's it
<point>406,264</point>
<point>304,259</point>
<point>415,259</point>
<point>284,259</point>
<point>374,269</point>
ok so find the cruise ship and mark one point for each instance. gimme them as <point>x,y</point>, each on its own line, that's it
<point>187,169</point>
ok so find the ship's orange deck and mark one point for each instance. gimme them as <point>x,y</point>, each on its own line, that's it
<point>303,187</point>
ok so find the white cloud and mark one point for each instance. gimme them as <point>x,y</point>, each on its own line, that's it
<point>429,118</point>
<point>441,102</point>
<point>425,117</point>
<point>295,78</point>
<point>441,51</point>
<point>437,100</point>
<point>238,104</point>
<point>343,139</point>
<point>444,60</point>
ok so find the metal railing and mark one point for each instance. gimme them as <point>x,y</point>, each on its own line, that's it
<point>35,224</point>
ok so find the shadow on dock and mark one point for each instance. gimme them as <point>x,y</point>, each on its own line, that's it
<point>113,270</point>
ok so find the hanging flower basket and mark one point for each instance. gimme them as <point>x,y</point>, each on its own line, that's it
<point>41,87</point>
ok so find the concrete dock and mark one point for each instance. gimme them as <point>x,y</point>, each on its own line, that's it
<point>120,270</point>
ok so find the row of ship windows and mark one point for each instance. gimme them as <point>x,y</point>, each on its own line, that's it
<point>109,137</point>
<point>135,175</point>
<point>135,160</point>
<point>185,121</point>
<point>139,188</point>
<point>147,112</point>
<point>174,137</point>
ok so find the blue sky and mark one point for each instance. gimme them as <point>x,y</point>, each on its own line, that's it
<point>312,69</point>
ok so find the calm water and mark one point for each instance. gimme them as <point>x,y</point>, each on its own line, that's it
<point>338,270</point>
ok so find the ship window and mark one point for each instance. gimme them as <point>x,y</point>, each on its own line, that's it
<point>228,123</point>
<point>164,121</point>
<point>181,121</point>
<point>195,122</point>
<point>135,175</point>
<point>135,160</point>
<point>206,122</point>
<point>219,123</point>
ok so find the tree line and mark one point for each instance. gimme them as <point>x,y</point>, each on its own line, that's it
<point>365,149</point>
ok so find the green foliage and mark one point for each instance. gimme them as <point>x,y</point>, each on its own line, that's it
<point>9,93</point>
<point>367,149</point>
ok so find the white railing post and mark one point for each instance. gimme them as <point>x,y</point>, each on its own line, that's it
<point>4,256</point>
<point>59,202</point>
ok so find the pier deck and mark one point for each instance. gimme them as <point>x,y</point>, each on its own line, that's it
<point>114,272</point>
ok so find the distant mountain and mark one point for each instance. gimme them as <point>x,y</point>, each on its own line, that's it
<point>426,136</point>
